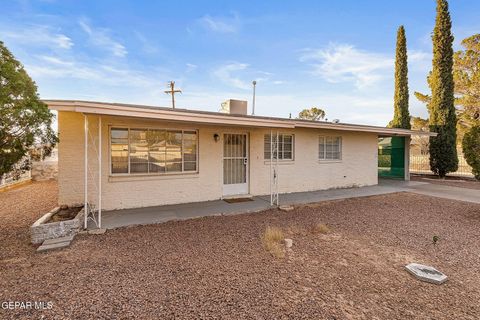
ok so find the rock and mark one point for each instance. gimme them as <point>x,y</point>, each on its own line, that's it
<point>288,243</point>
<point>97,231</point>
<point>286,208</point>
<point>58,240</point>
<point>58,245</point>
<point>426,273</point>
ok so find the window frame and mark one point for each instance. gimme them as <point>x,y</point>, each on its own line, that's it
<point>283,149</point>
<point>135,174</point>
<point>324,159</point>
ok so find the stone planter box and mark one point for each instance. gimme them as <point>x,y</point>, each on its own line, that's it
<point>41,231</point>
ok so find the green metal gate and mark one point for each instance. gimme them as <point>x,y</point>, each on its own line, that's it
<point>391,157</point>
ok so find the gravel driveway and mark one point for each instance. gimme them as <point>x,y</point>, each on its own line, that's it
<point>216,267</point>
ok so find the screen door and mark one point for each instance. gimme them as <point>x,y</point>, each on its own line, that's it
<point>235,164</point>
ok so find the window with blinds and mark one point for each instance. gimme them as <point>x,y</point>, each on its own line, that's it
<point>153,151</point>
<point>330,148</point>
<point>285,146</point>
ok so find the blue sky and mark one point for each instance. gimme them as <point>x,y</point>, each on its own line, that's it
<point>337,55</point>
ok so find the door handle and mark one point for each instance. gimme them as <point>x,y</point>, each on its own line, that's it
<point>245,161</point>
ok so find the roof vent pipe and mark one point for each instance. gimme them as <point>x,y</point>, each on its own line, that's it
<point>253,100</point>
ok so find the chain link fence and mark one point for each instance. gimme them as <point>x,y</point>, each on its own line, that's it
<point>421,164</point>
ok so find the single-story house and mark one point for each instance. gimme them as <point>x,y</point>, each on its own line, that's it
<point>117,156</point>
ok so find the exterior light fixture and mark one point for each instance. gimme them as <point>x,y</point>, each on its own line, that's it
<point>216,137</point>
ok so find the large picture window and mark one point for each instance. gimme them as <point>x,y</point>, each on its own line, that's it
<point>285,146</point>
<point>330,148</point>
<point>154,151</point>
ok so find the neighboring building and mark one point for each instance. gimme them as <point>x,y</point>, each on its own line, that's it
<point>156,156</point>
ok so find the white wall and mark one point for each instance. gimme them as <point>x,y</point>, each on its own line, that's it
<point>358,166</point>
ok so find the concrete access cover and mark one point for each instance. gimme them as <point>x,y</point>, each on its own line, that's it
<point>426,273</point>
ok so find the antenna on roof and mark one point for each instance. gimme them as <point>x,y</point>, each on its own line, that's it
<point>253,101</point>
<point>171,90</point>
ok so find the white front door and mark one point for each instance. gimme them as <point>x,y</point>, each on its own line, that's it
<point>235,164</point>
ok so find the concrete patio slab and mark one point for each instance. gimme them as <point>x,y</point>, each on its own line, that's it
<point>150,215</point>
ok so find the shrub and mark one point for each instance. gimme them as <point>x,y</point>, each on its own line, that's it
<point>272,241</point>
<point>471,149</point>
<point>320,228</point>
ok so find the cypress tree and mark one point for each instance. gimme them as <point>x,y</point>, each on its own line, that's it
<point>443,151</point>
<point>401,116</point>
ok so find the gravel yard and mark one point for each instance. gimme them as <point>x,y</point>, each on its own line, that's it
<point>216,267</point>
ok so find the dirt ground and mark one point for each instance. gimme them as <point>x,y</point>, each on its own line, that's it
<point>216,267</point>
<point>449,181</point>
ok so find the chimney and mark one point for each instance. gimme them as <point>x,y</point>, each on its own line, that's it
<point>232,106</point>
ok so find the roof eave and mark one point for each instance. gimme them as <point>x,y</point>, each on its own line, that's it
<point>167,114</point>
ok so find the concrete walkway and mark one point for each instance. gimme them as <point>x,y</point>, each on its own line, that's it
<point>448,192</point>
<point>149,215</point>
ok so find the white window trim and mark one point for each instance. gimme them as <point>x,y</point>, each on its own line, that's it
<point>324,160</point>
<point>267,161</point>
<point>147,174</point>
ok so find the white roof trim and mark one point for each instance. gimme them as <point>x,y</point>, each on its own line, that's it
<point>216,118</point>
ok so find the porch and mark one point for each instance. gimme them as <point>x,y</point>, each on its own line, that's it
<point>158,214</point>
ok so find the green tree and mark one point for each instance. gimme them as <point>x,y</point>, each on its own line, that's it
<point>466,76</point>
<point>443,151</point>
<point>25,121</point>
<point>401,116</point>
<point>313,113</point>
<point>471,149</point>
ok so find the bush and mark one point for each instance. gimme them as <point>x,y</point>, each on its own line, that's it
<point>320,228</point>
<point>272,241</point>
<point>471,149</point>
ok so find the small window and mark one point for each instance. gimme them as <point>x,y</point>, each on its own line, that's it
<point>330,148</point>
<point>285,146</point>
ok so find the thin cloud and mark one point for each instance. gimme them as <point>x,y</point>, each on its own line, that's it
<point>221,24</point>
<point>100,38</point>
<point>416,56</point>
<point>51,67</point>
<point>191,67</point>
<point>39,35</point>
<point>234,73</point>
<point>345,63</point>
<point>147,45</point>
<point>225,74</point>
<point>56,60</point>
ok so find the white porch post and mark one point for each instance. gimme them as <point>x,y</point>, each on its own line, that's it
<point>271,168</point>
<point>407,158</point>
<point>86,170</point>
<point>99,171</point>
<point>276,171</point>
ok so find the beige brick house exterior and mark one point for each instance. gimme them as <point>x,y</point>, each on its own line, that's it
<point>308,161</point>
